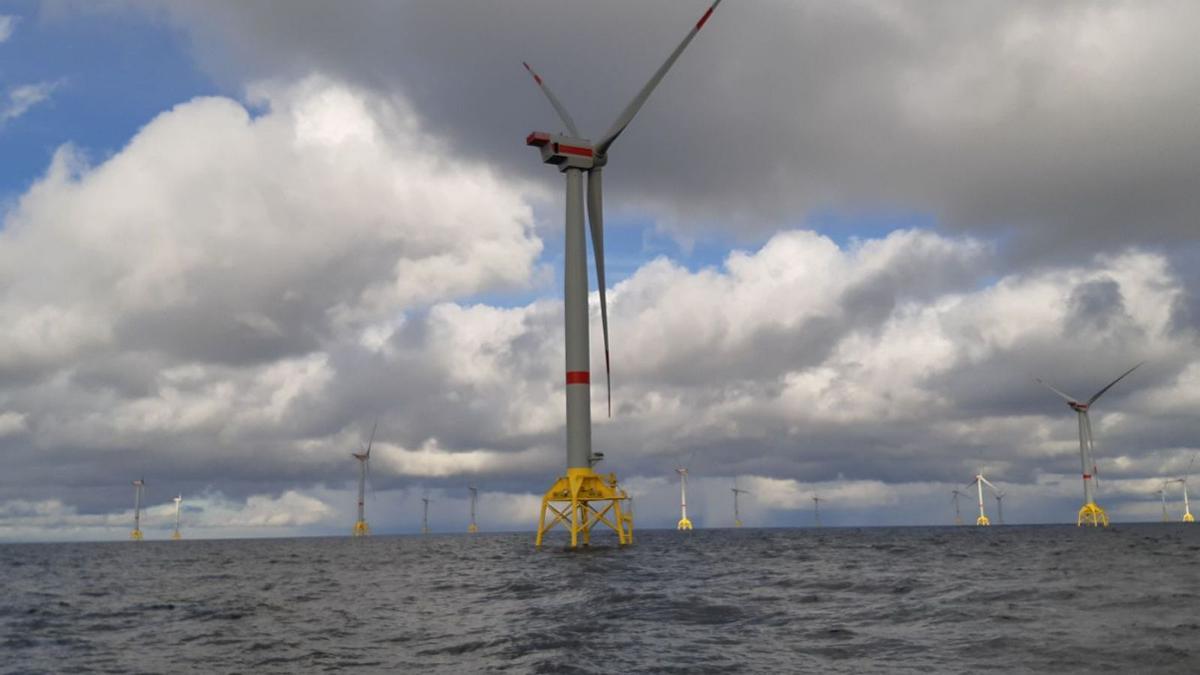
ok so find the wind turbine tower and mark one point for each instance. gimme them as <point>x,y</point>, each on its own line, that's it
<point>1187,508</point>
<point>737,516</point>
<point>582,498</point>
<point>1162,493</point>
<point>1000,508</point>
<point>364,461</point>
<point>425,516</point>
<point>473,528</point>
<point>1090,513</point>
<point>175,535</point>
<point>979,482</point>
<point>684,523</point>
<point>957,513</point>
<point>816,510</point>
<point>138,486</point>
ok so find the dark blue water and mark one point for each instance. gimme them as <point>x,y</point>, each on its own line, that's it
<point>1015,599</point>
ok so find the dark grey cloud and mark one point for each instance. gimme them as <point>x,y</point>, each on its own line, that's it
<point>1063,127</point>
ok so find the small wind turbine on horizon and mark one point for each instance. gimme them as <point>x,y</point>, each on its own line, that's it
<point>1090,513</point>
<point>572,496</point>
<point>816,510</point>
<point>1162,493</point>
<point>1187,508</point>
<point>737,516</point>
<point>473,528</point>
<point>957,513</point>
<point>684,523</point>
<point>138,486</point>
<point>175,535</point>
<point>425,516</point>
<point>978,483</point>
<point>364,460</point>
<point>1000,507</point>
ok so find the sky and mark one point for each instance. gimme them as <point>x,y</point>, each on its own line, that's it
<point>843,239</point>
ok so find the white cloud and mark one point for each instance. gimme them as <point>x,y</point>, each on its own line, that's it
<point>21,98</point>
<point>8,24</point>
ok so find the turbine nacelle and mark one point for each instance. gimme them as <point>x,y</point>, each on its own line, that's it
<point>565,152</point>
<point>1077,406</point>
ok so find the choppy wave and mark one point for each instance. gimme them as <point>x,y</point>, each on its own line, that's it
<point>1007,599</point>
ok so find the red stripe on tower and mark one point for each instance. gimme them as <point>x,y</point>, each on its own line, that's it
<point>578,377</point>
<point>1087,476</point>
<point>700,23</point>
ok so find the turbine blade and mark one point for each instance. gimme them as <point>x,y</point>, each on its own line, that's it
<point>1110,384</point>
<point>372,439</point>
<point>595,208</point>
<point>638,101</point>
<point>1065,397</point>
<point>558,106</point>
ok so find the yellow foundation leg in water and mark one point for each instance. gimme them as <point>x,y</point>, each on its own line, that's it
<point>983,521</point>
<point>1093,515</point>
<point>1189,518</point>
<point>684,524</point>
<point>582,499</point>
<point>361,529</point>
<point>136,535</point>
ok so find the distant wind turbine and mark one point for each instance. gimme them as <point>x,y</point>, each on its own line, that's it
<point>737,517</point>
<point>175,535</point>
<point>364,460</point>
<point>1000,507</point>
<point>684,523</point>
<point>425,516</point>
<point>1090,513</point>
<point>816,510</point>
<point>138,486</point>
<point>957,513</point>
<point>473,528</point>
<point>1162,493</point>
<point>979,483</point>
<point>1187,509</point>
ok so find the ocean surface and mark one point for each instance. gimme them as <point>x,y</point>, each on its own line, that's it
<point>834,600</point>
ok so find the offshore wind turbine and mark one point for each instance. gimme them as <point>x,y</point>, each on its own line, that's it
<point>175,535</point>
<point>425,516</point>
<point>138,486</point>
<point>1187,508</point>
<point>684,523</point>
<point>816,510</point>
<point>473,528</point>
<point>1162,493</point>
<point>582,498</point>
<point>737,517</point>
<point>1090,513</point>
<point>957,513</point>
<point>999,507</point>
<point>979,483</point>
<point>364,460</point>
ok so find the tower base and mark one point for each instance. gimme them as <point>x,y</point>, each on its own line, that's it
<point>1093,515</point>
<point>472,528</point>
<point>737,523</point>
<point>582,499</point>
<point>684,524</point>
<point>1188,517</point>
<point>361,529</point>
<point>175,536</point>
<point>983,521</point>
<point>136,535</point>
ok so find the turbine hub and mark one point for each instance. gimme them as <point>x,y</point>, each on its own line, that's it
<point>564,152</point>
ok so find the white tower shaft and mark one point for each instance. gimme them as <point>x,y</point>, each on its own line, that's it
<point>683,496</point>
<point>1086,460</point>
<point>579,395</point>
<point>979,484</point>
